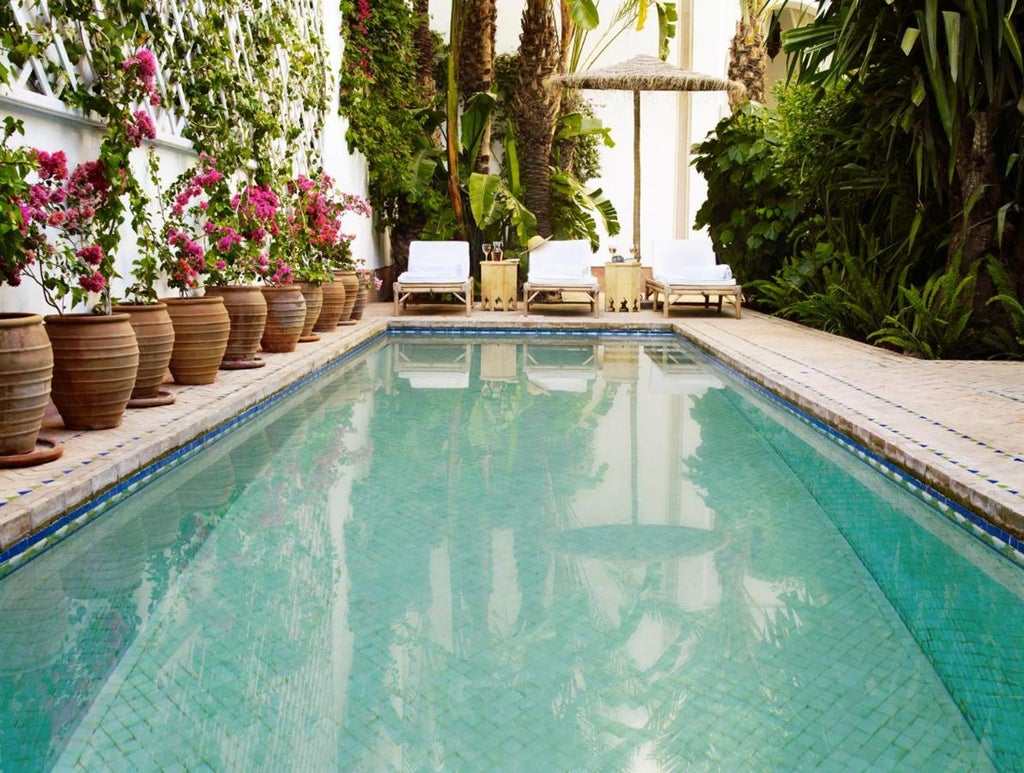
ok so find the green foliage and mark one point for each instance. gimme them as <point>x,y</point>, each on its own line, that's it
<point>579,136</point>
<point>628,16</point>
<point>932,322</point>
<point>260,70</point>
<point>384,111</point>
<point>752,205</point>
<point>940,86</point>
<point>833,291</point>
<point>15,166</point>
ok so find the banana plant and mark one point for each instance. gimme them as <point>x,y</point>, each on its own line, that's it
<point>583,18</point>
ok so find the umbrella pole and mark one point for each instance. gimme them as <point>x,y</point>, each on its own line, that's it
<point>636,174</point>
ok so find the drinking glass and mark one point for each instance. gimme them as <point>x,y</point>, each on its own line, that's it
<point>487,246</point>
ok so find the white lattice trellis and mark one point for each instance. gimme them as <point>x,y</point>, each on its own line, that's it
<point>172,25</point>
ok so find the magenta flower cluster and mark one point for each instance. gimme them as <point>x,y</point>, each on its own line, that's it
<point>221,237</point>
<point>140,70</point>
<point>313,225</point>
<point>59,221</point>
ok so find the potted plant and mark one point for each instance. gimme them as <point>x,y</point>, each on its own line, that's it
<point>26,357</point>
<point>311,225</point>
<point>96,356</point>
<point>148,315</point>
<point>368,280</point>
<point>335,245</point>
<point>231,232</point>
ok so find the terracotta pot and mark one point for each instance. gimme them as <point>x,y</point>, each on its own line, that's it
<point>201,330</point>
<point>286,314</point>
<point>333,307</point>
<point>351,282</point>
<point>247,309</point>
<point>313,294</point>
<point>154,334</point>
<point>26,369</point>
<point>95,361</point>
<point>361,296</point>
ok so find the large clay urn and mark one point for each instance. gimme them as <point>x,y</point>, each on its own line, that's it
<point>26,369</point>
<point>313,294</point>
<point>247,309</point>
<point>333,306</point>
<point>286,315</point>
<point>154,333</point>
<point>95,361</point>
<point>351,282</point>
<point>201,329</point>
<point>361,297</point>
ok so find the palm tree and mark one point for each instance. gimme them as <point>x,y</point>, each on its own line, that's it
<point>748,58</point>
<point>535,106</point>
<point>423,44</point>
<point>476,63</point>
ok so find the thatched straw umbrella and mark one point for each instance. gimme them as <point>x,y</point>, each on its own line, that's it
<point>643,73</point>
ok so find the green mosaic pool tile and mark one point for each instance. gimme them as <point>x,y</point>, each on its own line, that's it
<point>488,701</point>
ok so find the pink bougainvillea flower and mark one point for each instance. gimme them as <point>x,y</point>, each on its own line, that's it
<point>92,254</point>
<point>93,283</point>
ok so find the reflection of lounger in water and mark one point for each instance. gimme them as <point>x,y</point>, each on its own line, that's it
<point>560,368</point>
<point>434,366</point>
<point>675,372</point>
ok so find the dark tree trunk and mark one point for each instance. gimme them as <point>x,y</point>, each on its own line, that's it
<point>535,107</point>
<point>476,64</point>
<point>974,232</point>
<point>424,46</point>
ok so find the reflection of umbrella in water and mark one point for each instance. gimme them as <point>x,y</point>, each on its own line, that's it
<point>642,73</point>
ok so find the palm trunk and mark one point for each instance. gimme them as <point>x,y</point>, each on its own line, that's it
<point>535,107</point>
<point>476,64</point>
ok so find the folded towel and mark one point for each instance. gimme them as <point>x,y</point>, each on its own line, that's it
<point>703,275</point>
<point>432,275</point>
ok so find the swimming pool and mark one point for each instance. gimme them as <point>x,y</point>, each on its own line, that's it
<point>505,553</point>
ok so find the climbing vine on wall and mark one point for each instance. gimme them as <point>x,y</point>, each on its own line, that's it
<point>245,81</point>
<point>378,94</point>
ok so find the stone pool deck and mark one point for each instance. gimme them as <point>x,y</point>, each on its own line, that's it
<point>958,426</point>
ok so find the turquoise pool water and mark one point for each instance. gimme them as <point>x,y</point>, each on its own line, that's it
<point>547,553</point>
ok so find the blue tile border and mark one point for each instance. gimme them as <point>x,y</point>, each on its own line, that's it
<point>975,525</point>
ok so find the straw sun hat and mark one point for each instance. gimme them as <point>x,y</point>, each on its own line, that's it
<point>537,241</point>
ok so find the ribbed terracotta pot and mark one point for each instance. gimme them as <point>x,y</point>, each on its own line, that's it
<point>361,296</point>
<point>313,294</point>
<point>333,306</point>
<point>351,282</point>
<point>26,369</point>
<point>95,361</point>
<point>247,309</point>
<point>201,329</point>
<point>286,314</point>
<point>154,334</point>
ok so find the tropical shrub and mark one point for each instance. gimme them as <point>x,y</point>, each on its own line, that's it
<point>752,206</point>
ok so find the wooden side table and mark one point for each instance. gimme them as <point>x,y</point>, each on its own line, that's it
<point>498,284</point>
<point>622,283</point>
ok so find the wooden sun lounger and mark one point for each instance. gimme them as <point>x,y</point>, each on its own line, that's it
<point>687,268</point>
<point>436,267</point>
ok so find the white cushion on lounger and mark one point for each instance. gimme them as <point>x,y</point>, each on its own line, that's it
<point>432,274</point>
<point>688,261</point>
<point>716,274</point>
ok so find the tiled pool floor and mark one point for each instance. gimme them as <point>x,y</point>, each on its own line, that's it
<point>958,426</point>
